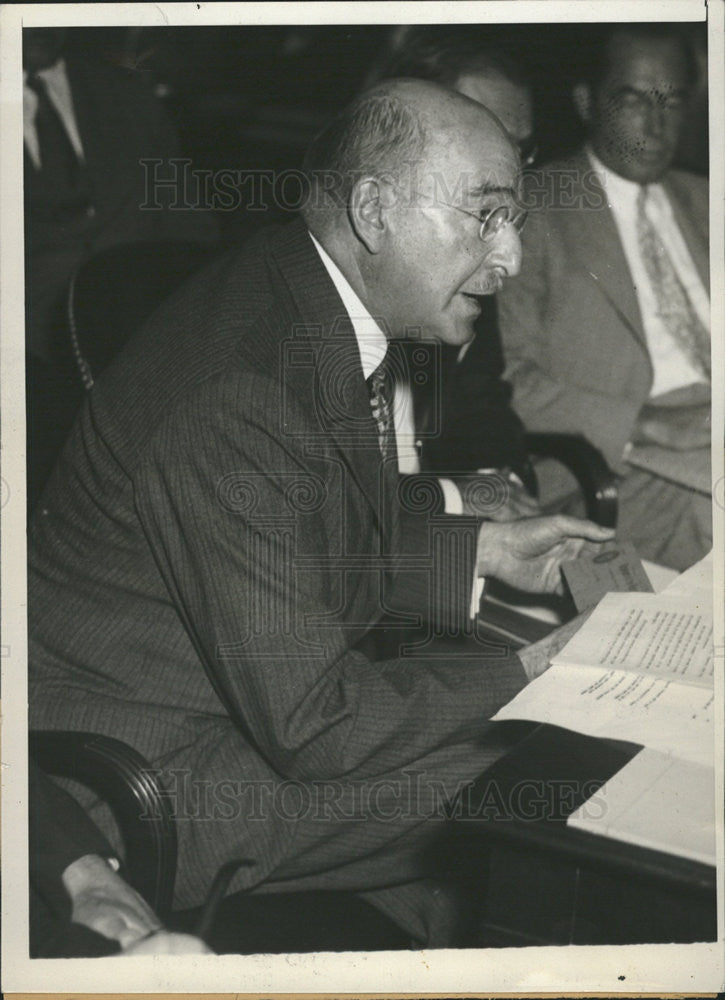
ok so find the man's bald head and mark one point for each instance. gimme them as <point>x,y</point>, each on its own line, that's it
<point>402,184</point>
<point>393,131</point>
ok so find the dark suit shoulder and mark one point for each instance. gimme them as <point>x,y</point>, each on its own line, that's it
<point>228,318</point>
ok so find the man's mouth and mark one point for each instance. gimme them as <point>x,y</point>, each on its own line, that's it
<point>495,283</point>
<point>492,283</point>
<point>652,155</point>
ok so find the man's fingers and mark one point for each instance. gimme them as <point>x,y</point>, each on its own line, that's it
<point>574,527</point>
<point>572,548</point>
<point>588,549</point>
<point>108,924</point>
<point>168,943</point>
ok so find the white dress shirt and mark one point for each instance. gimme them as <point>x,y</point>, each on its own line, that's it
<point>671,367</point>
<point>59,94</point>
<point>372,344</point>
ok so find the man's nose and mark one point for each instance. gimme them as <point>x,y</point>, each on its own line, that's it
<point>507,250</point>
<point>655,120</point>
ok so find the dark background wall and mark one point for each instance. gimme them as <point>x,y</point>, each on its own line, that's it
<point>250,98</point>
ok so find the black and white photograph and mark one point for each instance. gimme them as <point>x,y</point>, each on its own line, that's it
<point>362,497</point>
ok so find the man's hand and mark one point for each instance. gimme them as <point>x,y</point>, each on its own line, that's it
<point>527,554</point>
<point>102,901</point>
<point>679,428</point>
<point>496,496</point>
<point>168,943</point>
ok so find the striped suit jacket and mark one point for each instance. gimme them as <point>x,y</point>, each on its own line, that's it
<point>215,543</point>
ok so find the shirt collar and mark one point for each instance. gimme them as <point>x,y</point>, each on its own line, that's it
<point>51,74</point>
<point>371,341</point>
<point>621,191</point>
<point>617,188</point>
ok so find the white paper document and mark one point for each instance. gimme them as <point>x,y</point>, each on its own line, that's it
<point>640,669</point>
<point>656,801</point>
<point>652,634</point>
<point>694,585</point>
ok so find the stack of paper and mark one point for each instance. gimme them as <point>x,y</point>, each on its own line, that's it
<point>641,669</point>
<point>656,801</point>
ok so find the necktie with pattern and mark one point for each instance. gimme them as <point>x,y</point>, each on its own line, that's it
<point>382,388</point>
<point>673,303</point>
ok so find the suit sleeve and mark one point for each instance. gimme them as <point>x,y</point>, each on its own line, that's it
<point>529,317</point>
<point>246,531</point>
<point>436,569</point>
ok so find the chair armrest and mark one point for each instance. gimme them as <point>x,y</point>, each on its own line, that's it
<point>126,782</point>
<point>597,481</point>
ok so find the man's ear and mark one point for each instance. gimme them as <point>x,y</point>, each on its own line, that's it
<point>369,203</point>
<point>582,97</point>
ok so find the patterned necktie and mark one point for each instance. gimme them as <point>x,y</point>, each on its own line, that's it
<point>673,304</point>
<point>382,388</point>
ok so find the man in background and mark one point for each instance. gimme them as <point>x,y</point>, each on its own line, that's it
<point>606,332</point>
<point>87,127</point>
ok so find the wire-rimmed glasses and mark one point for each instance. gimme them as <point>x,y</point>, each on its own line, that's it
<point>494,219</point>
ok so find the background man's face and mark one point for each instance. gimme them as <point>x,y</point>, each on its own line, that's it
<point>436,266</point>
<point>637,112</point>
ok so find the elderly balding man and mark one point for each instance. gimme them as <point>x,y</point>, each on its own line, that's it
<point>225,527</point>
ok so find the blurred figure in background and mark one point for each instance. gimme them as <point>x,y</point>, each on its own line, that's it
<point>88,125</point>
<point>693,151</point>
<point>606,332</point>
<point>486,72</point>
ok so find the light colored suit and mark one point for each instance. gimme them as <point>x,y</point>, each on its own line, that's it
<point>573,339</point>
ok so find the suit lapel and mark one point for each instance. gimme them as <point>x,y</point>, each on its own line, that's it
<point>599,250</point>
<point>340,397</point>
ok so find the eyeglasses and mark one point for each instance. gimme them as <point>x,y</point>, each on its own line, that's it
<point>494,219</point>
